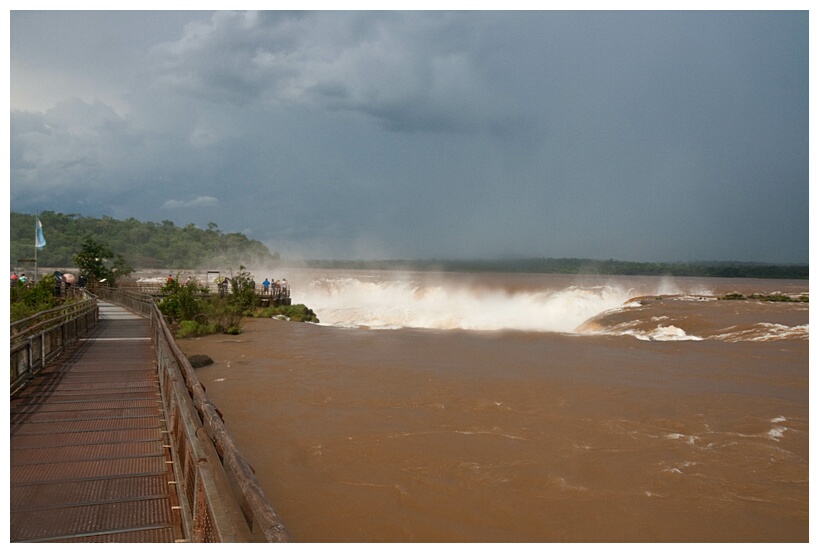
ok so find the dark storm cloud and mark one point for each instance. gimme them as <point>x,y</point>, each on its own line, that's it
<point>400,69</point>
<point>632,135</point>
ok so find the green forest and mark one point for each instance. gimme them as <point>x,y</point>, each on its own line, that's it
<point>148,245</point>
<point>144,245</point>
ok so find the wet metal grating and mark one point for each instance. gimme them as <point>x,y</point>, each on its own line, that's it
<point>90,457</point>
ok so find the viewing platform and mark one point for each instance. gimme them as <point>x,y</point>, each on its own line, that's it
<point>273,296</point>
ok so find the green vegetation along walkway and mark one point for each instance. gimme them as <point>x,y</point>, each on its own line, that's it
<point>89,451</point>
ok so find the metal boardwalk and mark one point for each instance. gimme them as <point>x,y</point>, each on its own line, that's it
<point>89,449</point>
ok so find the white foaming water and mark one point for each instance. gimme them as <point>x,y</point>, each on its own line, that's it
<point>765,332</point>
<point>668,333</point>
<point>777,431</point>
<point>404,303</point>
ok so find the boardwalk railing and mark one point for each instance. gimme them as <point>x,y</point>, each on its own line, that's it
<point>220,498</point>
<point>223,499</point>
<point>41,338</point>
<point>274,295</point>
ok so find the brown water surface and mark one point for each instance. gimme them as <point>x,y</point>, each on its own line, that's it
<point>424,435</point>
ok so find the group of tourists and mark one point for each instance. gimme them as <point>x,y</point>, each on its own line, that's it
<point>275,288</point>
<point>64,283</point>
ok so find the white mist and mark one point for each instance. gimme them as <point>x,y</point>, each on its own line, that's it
<point>405,303</point>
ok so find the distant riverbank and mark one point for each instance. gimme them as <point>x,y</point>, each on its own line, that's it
<point>718,269</point>
<point>560,266</point>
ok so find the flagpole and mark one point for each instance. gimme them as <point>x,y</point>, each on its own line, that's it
<point>36,215</point>
<point>39,240</point>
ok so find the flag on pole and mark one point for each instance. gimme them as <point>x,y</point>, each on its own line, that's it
<point>40,240</point>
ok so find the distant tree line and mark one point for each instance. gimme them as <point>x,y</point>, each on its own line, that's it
<point>144,245</point>
<point>147,245</point>
<point>581,266</point>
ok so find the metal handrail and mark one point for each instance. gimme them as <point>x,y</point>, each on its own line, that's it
<point>47,337</point>
<point>274,293</point>
<point>136,302</point>
<point>224,501</point>
<point>44,317</point>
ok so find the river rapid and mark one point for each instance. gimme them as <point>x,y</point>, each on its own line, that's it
<point>524,408</point>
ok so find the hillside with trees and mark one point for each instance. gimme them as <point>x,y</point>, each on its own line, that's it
<point>148,245</point>
<point>143,245</point>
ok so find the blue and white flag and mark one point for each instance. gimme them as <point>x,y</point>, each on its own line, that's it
<point>40,240</point>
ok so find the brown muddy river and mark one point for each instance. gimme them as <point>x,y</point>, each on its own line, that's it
<point>524,408</point>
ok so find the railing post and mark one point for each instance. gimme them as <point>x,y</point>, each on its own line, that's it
<point>30,358</point>
<point>42,352</point>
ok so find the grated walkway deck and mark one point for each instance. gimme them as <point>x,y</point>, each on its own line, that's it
<point>89,451</point>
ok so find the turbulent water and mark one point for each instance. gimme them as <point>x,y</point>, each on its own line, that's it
<point>524,408</point>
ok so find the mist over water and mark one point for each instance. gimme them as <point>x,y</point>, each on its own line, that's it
<point>447,302</point>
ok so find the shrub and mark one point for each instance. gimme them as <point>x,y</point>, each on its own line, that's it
<point>182,301</point>
<point>243,293</point>
<point>189,329</point>
<point>224,314</point>
<point>27,299</point>
<point>297,313</point>
<point>776,297</point>
<point>771,297</point>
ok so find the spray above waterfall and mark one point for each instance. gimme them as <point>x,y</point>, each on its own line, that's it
<point>446,303</point>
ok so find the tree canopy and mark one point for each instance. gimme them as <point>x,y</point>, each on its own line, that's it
<point>142,245</point>
<point>98,262</point>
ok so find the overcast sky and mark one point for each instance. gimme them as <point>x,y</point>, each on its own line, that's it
<point>644,136</point>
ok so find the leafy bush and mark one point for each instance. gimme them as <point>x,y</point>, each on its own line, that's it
<point>224,314</point>
<point>28,299</point>
<point>199,314</point>
<point>190,329</point>
<point>297,313</point>
<point>182,301</point>
<point>243,291</point>
<point>777,297</point>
